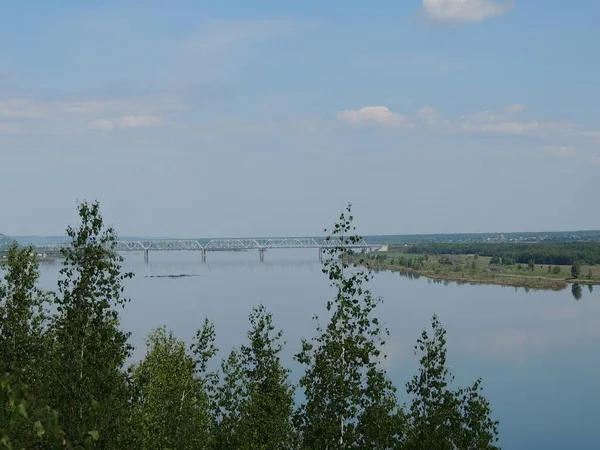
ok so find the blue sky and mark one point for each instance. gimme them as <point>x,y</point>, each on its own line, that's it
<point>236,118</point>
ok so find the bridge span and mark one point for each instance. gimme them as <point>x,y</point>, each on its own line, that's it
<point>260,244</point>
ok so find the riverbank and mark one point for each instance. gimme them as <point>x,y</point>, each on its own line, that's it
<point>472,270</point>
<point>4,257</point>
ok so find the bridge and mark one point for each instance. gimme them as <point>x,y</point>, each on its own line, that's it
<point>262,244</point>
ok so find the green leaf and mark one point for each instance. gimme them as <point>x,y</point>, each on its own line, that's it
<point>39,428</point>
<point>94,434</point>
<point>22,408</point>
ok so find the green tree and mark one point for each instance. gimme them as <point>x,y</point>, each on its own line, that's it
<point>549,268</point>
<point>576,269</point>
<point>267,406</point>
<point>349,402</point>
<point>441,418</point>
<point>171,409</point>
<point>22,318</point>
<point>228,403</point>
<point>254,401</point>
<point>556,270</point>
<point>89,349</point>
<point>589,274</point>
<point>203,349</point>
<point>531,265</point>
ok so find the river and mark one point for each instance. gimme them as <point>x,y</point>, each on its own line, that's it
<point>536,351</point>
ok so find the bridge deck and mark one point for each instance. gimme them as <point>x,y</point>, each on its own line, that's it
<point>221,244</point>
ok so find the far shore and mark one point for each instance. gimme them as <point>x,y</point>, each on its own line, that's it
<point>479,278</point>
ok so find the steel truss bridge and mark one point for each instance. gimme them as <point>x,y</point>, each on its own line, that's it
<point>146,246</point>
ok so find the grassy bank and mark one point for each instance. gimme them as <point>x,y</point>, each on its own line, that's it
<point>472,269</point>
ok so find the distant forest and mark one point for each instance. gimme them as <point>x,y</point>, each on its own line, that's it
<point>556,253</point>
<point>536,236</point>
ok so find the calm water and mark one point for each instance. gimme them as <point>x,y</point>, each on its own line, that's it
<point>537,352</point>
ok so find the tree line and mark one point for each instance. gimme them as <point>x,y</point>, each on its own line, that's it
<point>555,253</point>
<point>64,384</point>
<point>545,236</point>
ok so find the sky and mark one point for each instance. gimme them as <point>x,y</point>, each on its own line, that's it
<point>265,118</point>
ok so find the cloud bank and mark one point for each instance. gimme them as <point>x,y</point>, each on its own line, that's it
<point>371,116</point>
<point>464,11</point>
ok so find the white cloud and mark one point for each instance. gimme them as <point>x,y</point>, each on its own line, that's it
<point>561,150</point>
<point>501,127</point>
<point>457,11</point>
<point>488,122</point>
<point>491,123</point>
<point>20,109</point>
<point>258,128</point>
<point>10,128</point>
<point>428,114</point>
<point>101,124</point>
<point>217,36</point>
<point>371,115</point>
<point>565,171</point>
<point>483,117</point>
<point>593,135</point>
<point>53,110</point>
<point>126,122</point>
<point>516,108</point>
<point>139,121</point>
<point>596,158</point>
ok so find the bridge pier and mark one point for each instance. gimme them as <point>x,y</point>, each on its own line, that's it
<point>146,256</point>
<point>204,255</point>
<point>320,254</point>
<point>261,251</point>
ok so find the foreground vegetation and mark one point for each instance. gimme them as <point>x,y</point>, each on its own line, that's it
<point>63,383</point>
<point>473,268</point>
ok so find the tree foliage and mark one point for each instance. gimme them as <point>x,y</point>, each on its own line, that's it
<point>22,317</point>
<point>267,406</point>
<point>555,253</point>
<point>27,423</point>
<point>171,408</point>
<point>349,400</point>
<point>440,417</point>
<point>89,348</point>
<point>576,269</point>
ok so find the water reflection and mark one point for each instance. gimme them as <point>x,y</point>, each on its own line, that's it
<point>576,291</point>
<point>194,267</point>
